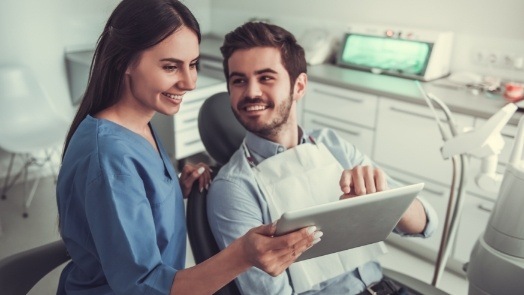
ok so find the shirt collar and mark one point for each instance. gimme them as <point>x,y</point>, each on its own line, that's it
<point>264,148</point>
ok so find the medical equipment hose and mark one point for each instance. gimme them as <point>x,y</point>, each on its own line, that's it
<point>454,209</point>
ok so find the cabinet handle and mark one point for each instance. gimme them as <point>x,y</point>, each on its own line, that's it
<point>355,100</point>
<point>485,208</point>
<point>195,141</point>
<point>351,132</point>
<point>412,113</point>
<point>193,101</point>
<point>189,120</point>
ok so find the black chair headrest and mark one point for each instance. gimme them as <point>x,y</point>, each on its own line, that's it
<point>219,129</point>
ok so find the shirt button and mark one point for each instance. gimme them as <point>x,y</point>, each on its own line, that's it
<point>280,149</point>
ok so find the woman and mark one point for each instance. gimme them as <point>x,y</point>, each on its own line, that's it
<point>120,202</point>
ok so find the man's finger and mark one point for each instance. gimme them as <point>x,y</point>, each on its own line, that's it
<point>369,179</point>
<point>345,181</point>
<point>359,184</point>
<point>380,180</point>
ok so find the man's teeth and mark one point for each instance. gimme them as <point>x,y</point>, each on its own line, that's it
<point>173,96</point>
<point>255,108</point>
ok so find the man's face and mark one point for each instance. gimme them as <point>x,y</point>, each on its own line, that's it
<point>260,91</point>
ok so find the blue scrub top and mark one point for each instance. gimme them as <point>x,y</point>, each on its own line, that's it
<point>121,213</point>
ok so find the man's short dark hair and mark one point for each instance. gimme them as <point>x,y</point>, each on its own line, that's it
<point>258,34</point>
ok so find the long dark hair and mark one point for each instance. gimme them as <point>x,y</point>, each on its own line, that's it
<point>134,26</point>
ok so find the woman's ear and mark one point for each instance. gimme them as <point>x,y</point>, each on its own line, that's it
<point>299,88</point>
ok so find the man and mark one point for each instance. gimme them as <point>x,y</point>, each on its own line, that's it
<point>281,167</point>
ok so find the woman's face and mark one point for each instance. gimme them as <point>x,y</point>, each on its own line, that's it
<point>162,74</point>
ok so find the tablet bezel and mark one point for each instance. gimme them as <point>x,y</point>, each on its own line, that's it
<point>351,222</point>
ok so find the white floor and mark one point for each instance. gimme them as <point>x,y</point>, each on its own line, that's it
<point>41,227</point>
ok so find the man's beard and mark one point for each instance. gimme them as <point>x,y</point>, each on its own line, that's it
<point>272,128</point>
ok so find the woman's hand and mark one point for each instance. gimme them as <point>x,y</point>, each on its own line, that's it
<point>274,254</point>
<point>192,172</point>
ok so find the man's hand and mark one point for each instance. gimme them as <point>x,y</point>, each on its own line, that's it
<point>362,180</point>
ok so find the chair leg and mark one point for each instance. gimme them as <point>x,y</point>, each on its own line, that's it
<point>30,196</point>
<point>49,159</point>
<point>25,172</point>
<point>6,180</point>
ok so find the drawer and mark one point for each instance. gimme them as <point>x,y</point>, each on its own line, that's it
<point>188,143</point>
<point>408,139</point>
<point>187,117</point>
<point>342,104</point>
<point>361,137</point>
<point>475,216</point>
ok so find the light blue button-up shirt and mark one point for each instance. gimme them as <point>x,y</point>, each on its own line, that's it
<point>121,213</point>
<point>236,204</point>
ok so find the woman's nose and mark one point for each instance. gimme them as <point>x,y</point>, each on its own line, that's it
<point>187,80</point>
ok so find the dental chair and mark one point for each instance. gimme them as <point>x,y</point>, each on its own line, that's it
<point>222,135</point>
<point>20,272</point>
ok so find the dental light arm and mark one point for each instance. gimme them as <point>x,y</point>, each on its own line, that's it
<point>485,143</point>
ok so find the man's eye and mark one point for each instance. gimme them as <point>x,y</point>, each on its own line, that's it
<point>237,81</point>
<point>266,78</point>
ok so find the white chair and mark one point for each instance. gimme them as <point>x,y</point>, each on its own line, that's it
<point>29,127</point>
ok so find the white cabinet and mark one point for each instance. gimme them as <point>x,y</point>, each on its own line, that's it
<point>475,215</point>
<point>179,133</point>
<point>351,114</point>
<point>407,144</point>
<point>211,68</point>
<point>408,139</point>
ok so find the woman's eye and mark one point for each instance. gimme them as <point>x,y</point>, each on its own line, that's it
<point>194,65</point>
<point>170,68</point>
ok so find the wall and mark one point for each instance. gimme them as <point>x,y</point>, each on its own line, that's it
<point>37,32</point>
<point>483,24</point>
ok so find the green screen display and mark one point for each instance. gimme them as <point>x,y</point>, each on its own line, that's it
<point>396,55</point>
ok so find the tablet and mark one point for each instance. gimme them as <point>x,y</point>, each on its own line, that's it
<point>352,222</point>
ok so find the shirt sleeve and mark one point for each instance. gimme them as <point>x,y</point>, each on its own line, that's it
<point>121,222</point>
<point>431,221</point>
<point>232,211</point>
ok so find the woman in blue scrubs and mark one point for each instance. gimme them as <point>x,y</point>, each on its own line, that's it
<point>120,202</point>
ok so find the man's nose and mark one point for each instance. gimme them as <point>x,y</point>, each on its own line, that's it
<point>253,90</point>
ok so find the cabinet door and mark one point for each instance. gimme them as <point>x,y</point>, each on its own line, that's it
<point>475,216</point>
<point>408,139</point>
<point>361,137</point>
<point>342,104</point>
